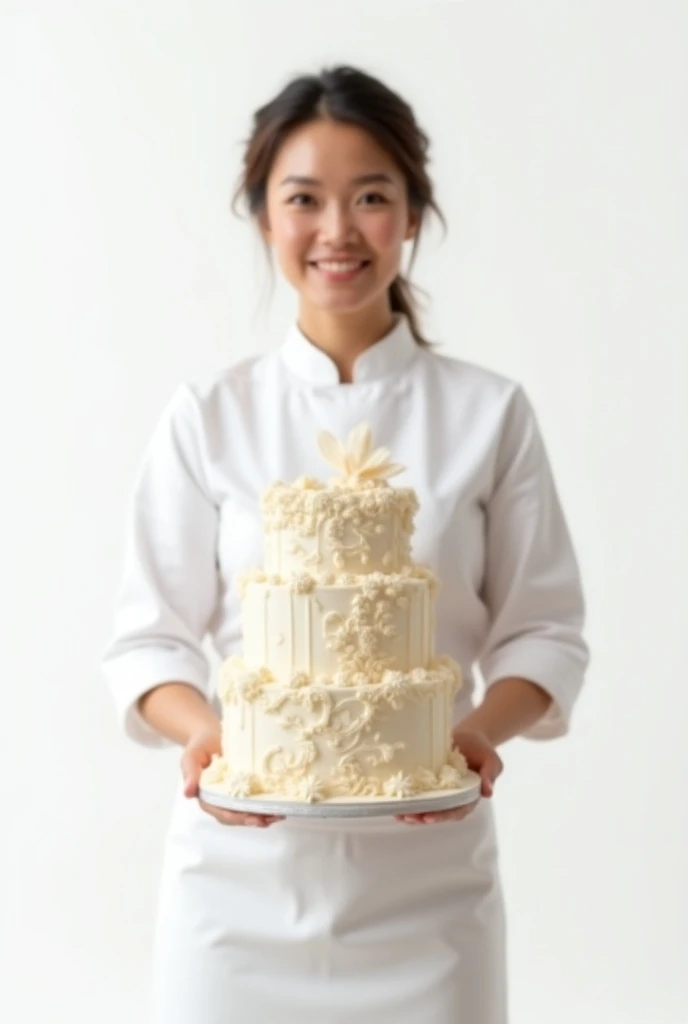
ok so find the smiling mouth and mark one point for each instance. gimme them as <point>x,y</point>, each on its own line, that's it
<point>339,264</point>
<point>339,270</point>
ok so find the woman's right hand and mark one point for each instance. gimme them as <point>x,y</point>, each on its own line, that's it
<point>197,756</point>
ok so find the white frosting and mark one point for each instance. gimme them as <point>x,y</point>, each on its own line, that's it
<point>349,632</point>
<point>317,741</point>
<point>310,528</point>
<point>338,692</point>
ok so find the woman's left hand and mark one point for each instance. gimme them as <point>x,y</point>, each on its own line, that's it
<point>482,758</point>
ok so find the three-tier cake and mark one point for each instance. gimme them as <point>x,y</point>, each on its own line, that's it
<point>338,694</point>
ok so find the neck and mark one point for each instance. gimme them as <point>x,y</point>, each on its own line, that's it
<point>345,336</point>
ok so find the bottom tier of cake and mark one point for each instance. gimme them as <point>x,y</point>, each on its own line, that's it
<point>315,741</point>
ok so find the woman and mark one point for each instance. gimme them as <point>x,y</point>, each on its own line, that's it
<point>262,919</point>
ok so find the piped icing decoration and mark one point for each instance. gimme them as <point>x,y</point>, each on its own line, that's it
<point>239,784</point>
<point>356,460</point>
<point>399,785</point>
<point>349,781</point>
<point>306,583</point>
<point>238,682</point>
<point>338,528</point>
<point>310,788</point>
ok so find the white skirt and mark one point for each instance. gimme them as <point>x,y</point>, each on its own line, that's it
<point>330,922</point>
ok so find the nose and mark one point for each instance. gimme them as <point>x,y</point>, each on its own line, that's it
<point>337,224</point>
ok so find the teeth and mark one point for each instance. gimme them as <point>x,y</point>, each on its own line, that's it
<point>340,266</point>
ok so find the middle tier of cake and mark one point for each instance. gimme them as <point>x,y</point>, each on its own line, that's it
<point>348,632</point>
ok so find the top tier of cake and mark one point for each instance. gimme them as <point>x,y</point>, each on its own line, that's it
<point>357,523</point>
<point>316,529</point>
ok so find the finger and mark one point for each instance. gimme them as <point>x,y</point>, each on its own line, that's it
<point>453,814</point>
<point>191,784</point>
<point>238,817</point>
<point>191,771</point>
<point>220,814</point>
<point>193,761</point>
<point>457,814</point>
<point>431,816</point>
<point>489,772</point>
<point>190,781</point>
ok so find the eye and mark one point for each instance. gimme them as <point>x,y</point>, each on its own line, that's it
<point>295,200</point>
<point>376,197</point>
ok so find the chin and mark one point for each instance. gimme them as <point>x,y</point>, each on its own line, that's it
<point>342,303</point>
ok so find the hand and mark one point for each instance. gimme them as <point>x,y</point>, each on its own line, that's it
<point>197,756</point>
<point>482,758</point>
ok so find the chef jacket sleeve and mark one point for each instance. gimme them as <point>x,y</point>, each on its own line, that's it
<point>532,585</point>
<point>170,584</point>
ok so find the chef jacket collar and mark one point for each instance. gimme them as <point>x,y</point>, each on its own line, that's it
<point>388,355</point>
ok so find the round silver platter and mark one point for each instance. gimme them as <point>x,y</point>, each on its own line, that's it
<point>342,807</point>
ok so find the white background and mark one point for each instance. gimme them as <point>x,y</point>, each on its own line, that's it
<point>560,145</point>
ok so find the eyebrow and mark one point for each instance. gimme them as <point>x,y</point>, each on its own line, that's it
<point>363,179</point>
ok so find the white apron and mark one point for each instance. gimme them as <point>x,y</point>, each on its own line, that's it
<point>315,922</point>
<point>354,921</point>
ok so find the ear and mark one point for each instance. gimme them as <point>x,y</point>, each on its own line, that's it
<point>413,224</point>
<point>264,226</point>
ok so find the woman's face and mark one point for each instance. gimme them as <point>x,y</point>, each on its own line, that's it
<point>337,216</point>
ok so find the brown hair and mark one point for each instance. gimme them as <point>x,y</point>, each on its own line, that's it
<point>350,96</point>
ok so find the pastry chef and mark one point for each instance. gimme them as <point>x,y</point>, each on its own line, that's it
<point>396,920</point>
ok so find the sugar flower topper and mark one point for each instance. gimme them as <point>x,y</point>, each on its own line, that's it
<point>356,460</point>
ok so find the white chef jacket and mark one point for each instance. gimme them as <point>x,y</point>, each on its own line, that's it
<point>491,527</point>
<point>490,522</point>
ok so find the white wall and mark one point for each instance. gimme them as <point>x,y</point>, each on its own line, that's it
<point>561,160</point>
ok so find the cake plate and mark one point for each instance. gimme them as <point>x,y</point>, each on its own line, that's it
<point>344,807</point>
